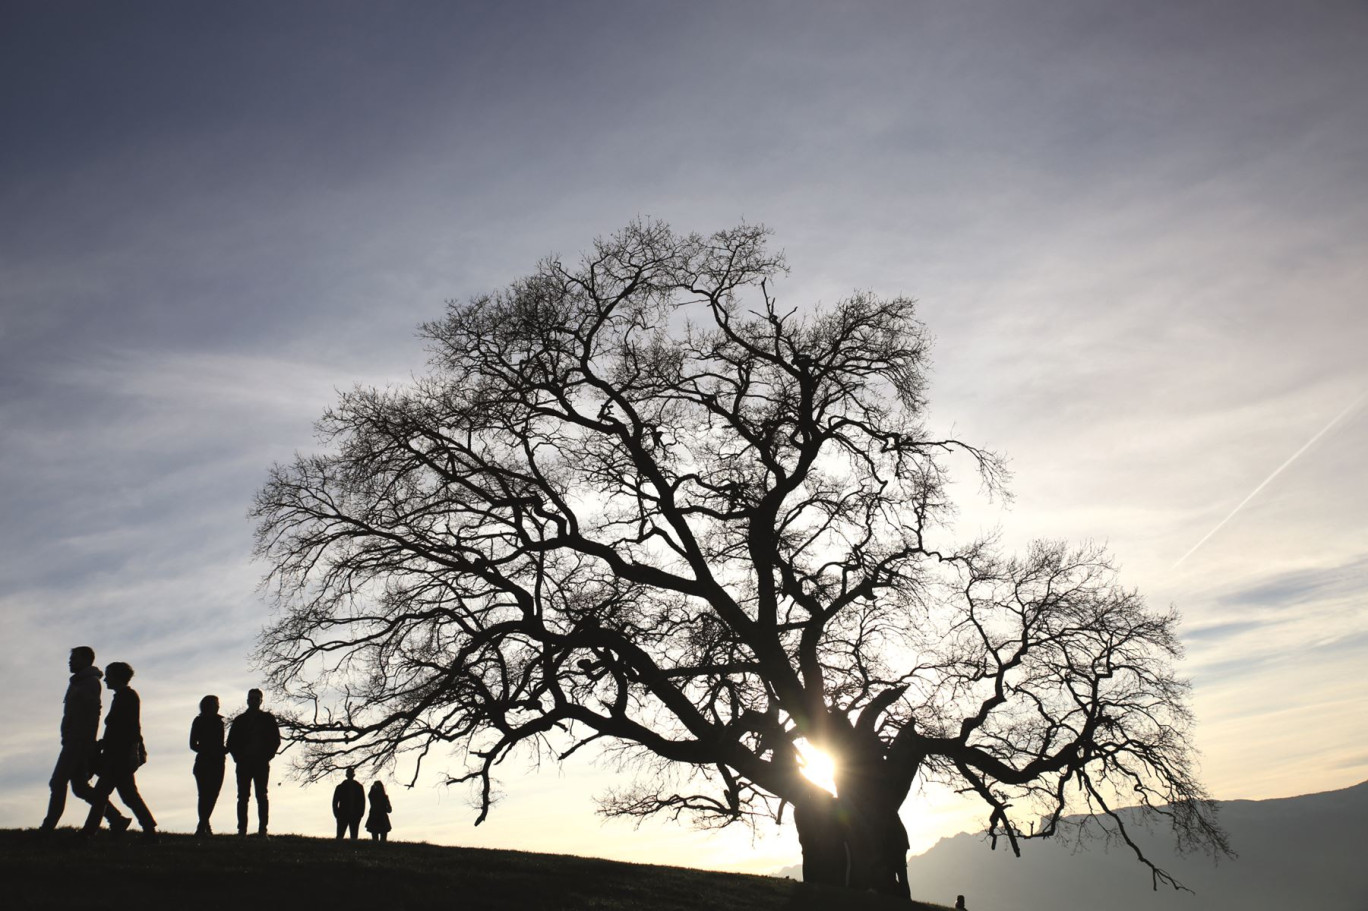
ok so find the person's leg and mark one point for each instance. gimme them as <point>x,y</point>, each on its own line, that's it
<point>260,779</point>
<point>341,827</point>
<point>60,780</point>
<point>127,786</point>
<point>99,798</point>
<point>203,806</point>
<point>355,826</point>
<point>209,778</point>
<point>213,783</point>
<point>81,788</point>
<point>244,790</point>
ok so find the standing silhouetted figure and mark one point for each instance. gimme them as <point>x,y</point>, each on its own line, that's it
<point>80,729</point>
<point>349,805</point>
<point>959,903</point>
<point>378,823</point>
<point>121,753</point>
<point>253,740</point>
<point>206,739</point>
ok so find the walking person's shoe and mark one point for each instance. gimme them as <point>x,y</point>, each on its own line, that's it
<point>119,825</point>
<point>151,836</point>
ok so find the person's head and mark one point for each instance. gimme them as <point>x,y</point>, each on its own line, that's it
<point>117,674</point>
<point>82,657</point>
<point>351,774</point>
<point>254,698</point>
<point>377,786</point>
<point>209,705</point>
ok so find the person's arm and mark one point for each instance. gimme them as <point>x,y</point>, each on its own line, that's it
<point>122,728</point>
<point>83,708</point>
<point>195,735</point>
<point>272,734</point>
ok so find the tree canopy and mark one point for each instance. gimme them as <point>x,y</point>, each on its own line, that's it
<point>636,502</point>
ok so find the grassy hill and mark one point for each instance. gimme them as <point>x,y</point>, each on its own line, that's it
<point>246,874</point>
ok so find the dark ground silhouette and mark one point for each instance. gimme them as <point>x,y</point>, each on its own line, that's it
<point>320,872</point>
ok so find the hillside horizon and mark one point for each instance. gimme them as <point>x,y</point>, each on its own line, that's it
<point>1293,852</point>
<point>44,871</point>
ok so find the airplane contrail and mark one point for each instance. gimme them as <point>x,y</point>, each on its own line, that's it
<point>1279,470</point>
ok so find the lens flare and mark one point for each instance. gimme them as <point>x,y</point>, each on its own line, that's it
<point>817,766</point>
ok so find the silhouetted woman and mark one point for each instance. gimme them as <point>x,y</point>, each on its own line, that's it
<point>378,823</point>
<point>206,739</point>
<point>121,753</point>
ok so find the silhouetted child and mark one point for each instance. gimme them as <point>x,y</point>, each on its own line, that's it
<point>378,822</point>
<point>959,903</point>
<point>206,739</point>
<point>121,753</point>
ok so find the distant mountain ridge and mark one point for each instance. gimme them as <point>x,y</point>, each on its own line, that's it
<point>1302,853</point>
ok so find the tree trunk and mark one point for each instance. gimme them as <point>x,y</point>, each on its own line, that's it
<point>821,832</point>
<point>848,844</point>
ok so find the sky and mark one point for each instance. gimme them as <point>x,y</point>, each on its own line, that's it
<point>1137,232</point>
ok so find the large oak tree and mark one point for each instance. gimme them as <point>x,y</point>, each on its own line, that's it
<point>639,503</point>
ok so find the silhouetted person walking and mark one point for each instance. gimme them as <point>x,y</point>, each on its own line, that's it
<point>378,822</point>
<point>206,739</point>
<point>349,805</point>
<point>80,729</point>
<point>121,753</point>
<point>253,740</point>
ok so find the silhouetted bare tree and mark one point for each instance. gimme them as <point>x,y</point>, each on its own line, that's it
<point>635,502</point>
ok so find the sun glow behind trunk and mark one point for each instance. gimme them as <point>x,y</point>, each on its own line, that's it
<point>817,766</point>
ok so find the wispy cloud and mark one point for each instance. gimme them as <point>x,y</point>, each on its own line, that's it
<point>1277,471</point>
<point>1136,234</point>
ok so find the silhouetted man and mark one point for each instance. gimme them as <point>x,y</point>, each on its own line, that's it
<point>80,728</point>
<point>349,805</point>
<point>253,740</point>
<point>121,753</point>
